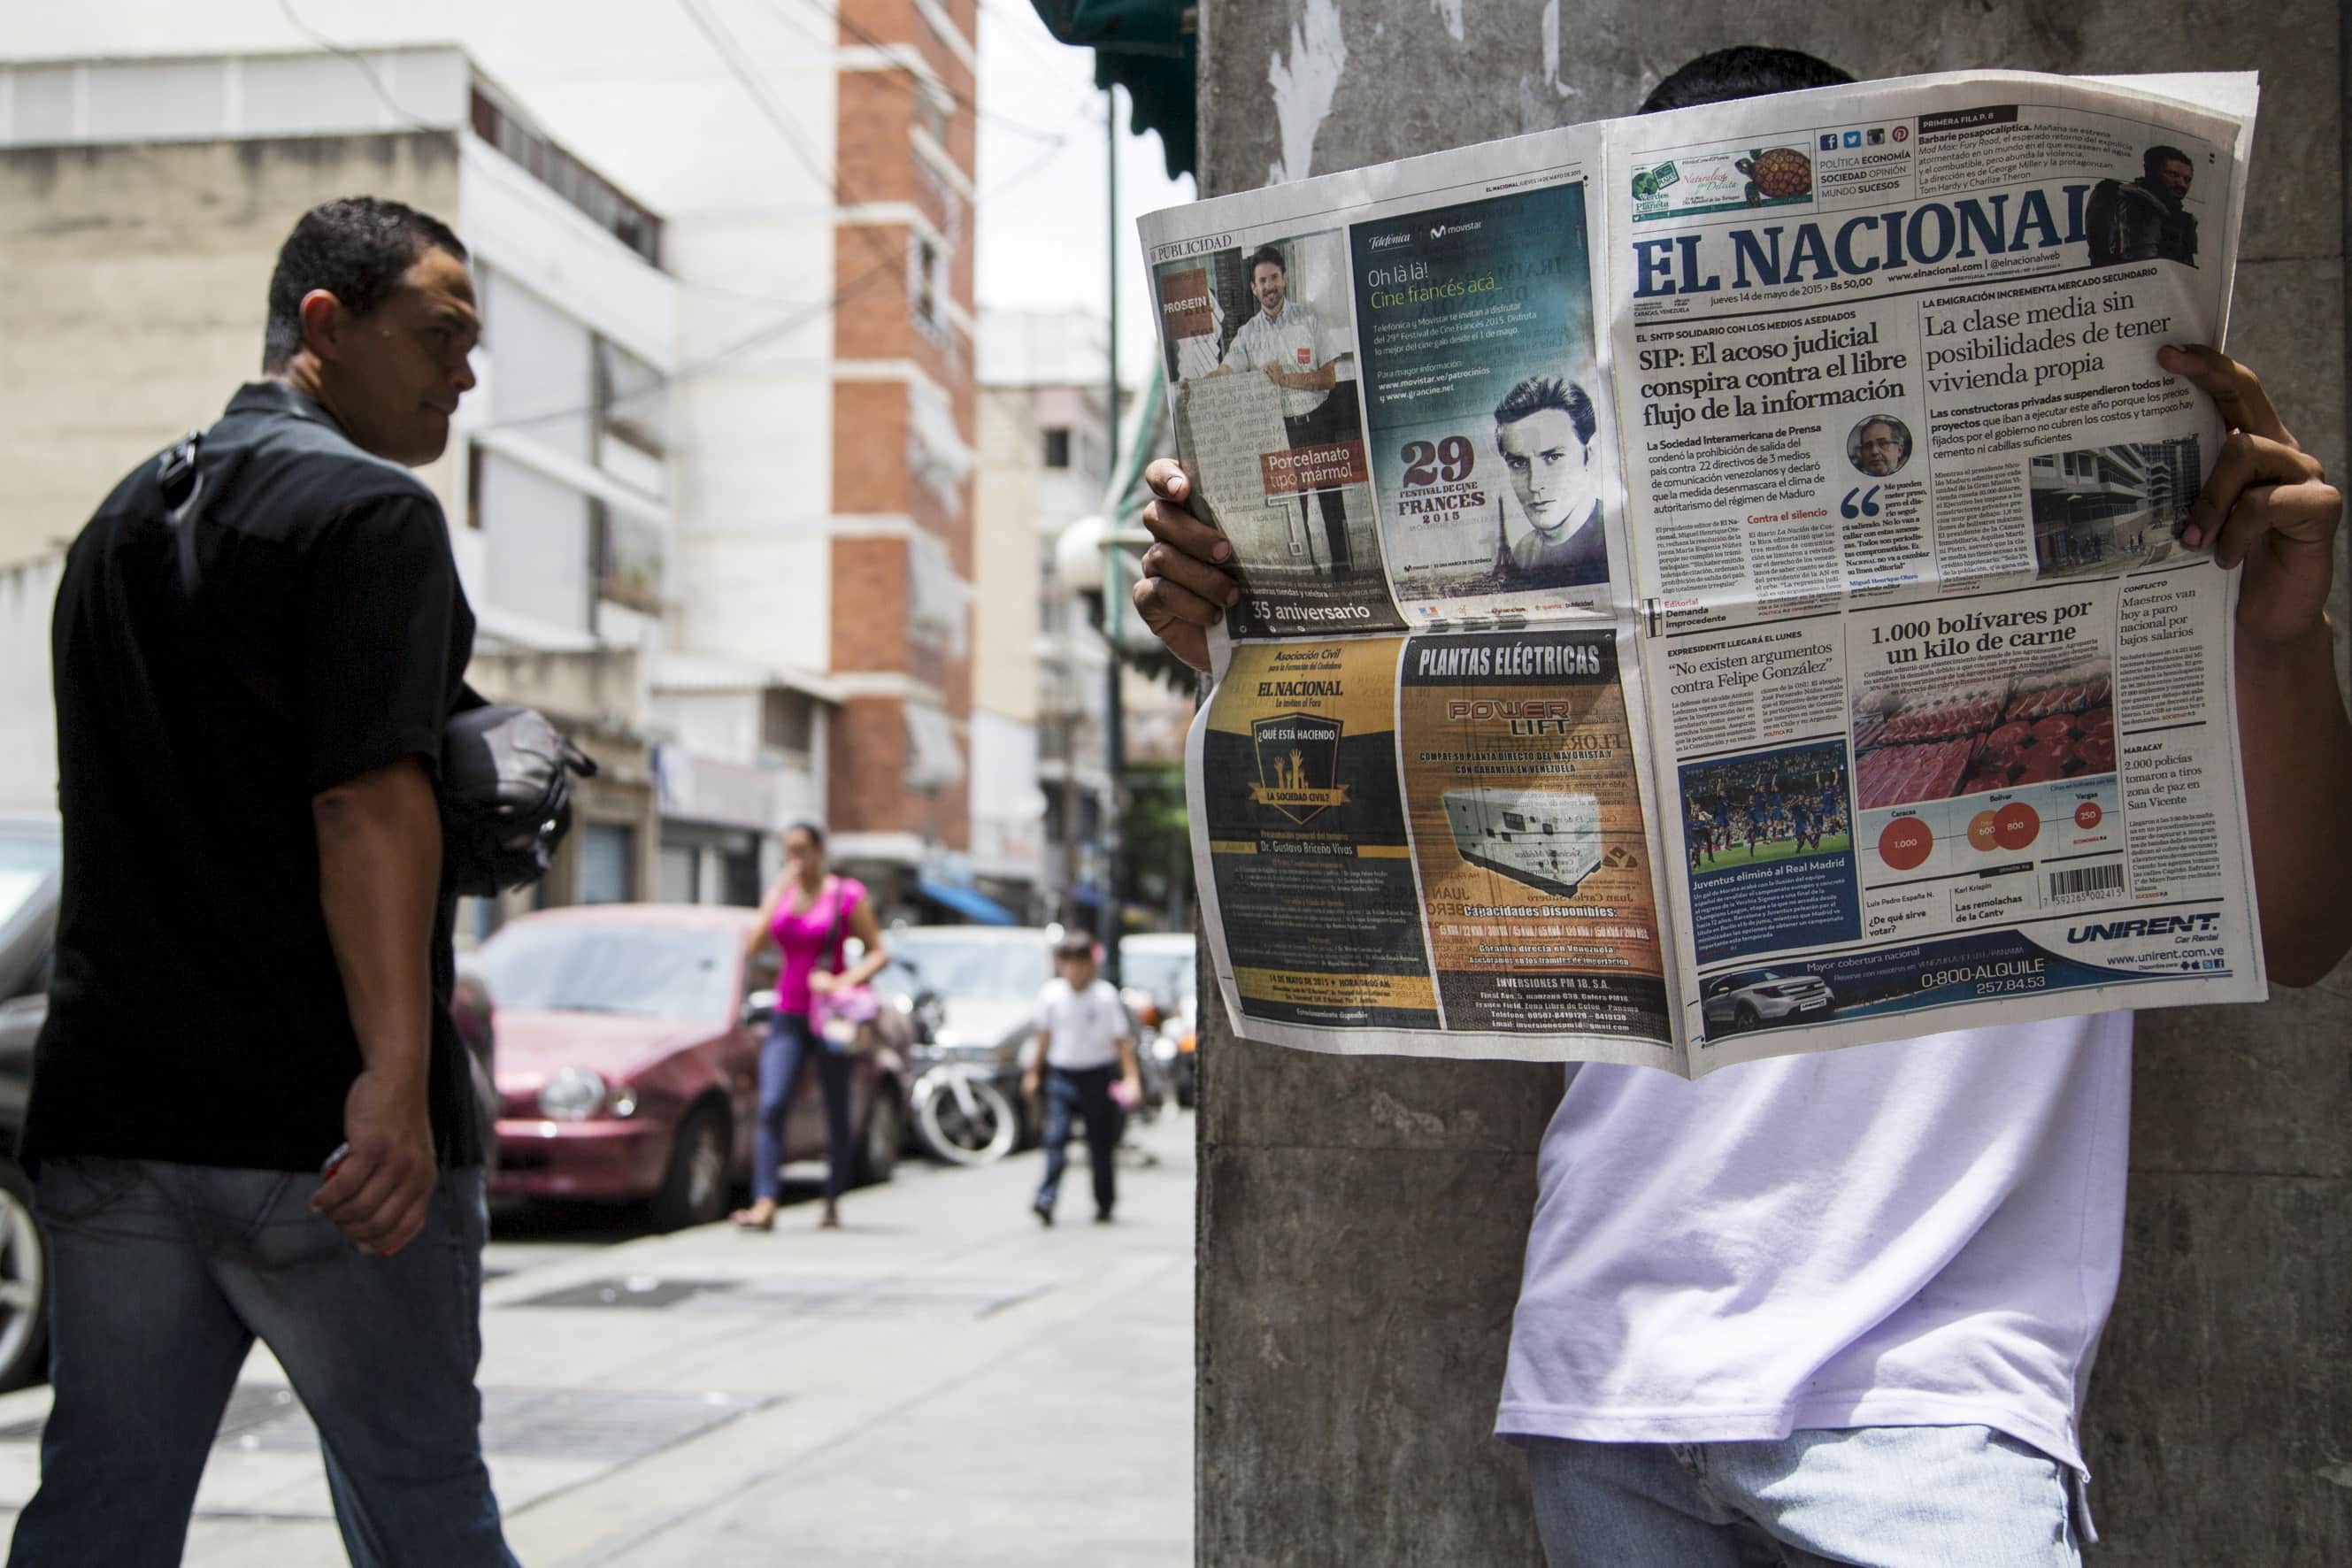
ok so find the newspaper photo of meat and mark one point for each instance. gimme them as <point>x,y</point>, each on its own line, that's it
<point>1986,736</point>
<point>2055,727</point>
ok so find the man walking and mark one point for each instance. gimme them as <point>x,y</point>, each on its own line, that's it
<point>253,955</point>
<point>1083,1038</point>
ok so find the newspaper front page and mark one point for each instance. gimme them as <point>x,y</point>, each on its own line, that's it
<point>1711,581</point>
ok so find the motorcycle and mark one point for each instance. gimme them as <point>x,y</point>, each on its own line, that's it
<point>959,1111</point>
<point>960,1114</point>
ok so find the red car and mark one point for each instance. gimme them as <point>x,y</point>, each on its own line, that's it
<point>629,1060</point>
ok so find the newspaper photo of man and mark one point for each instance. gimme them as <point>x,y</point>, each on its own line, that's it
<point>2146,220</point>
<point>1879,446</point>
<point>1544,430</point>
<point>1287,343</point>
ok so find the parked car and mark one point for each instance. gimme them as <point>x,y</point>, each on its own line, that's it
<point>629,1045</point>
<point>29,856</point>
<point>1157,974</point>
<point>1754,998</point>
<point>1179,1048</point>
<point>1159,981</point>
<point>978,987</point>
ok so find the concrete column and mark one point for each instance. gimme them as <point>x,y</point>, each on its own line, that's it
<point>1362,1222</point>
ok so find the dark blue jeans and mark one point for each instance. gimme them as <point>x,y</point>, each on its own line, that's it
<point>162,1275</point>
<point>790,1043</point>
<point>1083,1094</point>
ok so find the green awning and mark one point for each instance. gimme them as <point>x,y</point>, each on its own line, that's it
<point>1152,48</point>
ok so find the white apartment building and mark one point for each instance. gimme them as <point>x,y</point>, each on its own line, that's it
<point>1038,677</point>
<point>810,164</point>
<point>141,206</point>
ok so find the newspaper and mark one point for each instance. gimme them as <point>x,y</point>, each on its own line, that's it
<point>1710,581</point>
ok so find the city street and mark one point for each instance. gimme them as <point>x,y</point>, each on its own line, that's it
<point>942,1381</point>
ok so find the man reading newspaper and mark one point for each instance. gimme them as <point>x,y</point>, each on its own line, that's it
<point>1841,1308</point>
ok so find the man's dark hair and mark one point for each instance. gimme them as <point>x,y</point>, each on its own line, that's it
<point>1075,946</point>
<point>1540,392</point>
<point>1744,71</point>
<point>2157,156</point>
<point>1264,255</point>
<point>357,249</point>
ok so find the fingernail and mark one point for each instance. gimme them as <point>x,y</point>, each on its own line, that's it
<point>2192,536</point>
<point>1232,597</point>
<point>1224,552</point>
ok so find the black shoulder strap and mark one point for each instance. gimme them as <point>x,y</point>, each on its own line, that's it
<point>180,478</point>
<point>188,494</point>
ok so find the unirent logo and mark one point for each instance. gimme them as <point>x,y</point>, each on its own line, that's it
<point>1382,241</point>
<point>2162,925</point>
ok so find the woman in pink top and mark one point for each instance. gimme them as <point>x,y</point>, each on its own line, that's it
<point>811,916</point>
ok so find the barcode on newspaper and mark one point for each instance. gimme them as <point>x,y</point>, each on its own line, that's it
<point>2086,882</point>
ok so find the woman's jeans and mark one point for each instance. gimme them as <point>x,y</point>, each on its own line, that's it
<point>162,1276</point>
<point>790,1043</point>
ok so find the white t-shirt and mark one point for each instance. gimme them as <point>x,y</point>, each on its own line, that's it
<point>1296,343</point>
<point>1923,1232</point>
<point>1083,1028</point>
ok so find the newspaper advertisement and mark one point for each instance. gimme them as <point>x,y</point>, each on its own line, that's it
<point>1711,581</point>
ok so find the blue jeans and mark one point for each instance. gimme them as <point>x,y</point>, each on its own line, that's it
<point>1082,1095</point>
<point>1888,1497</point>
<point>791,1042</point>
<point>162,1275</point>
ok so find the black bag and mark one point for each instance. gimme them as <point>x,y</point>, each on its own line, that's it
<point>506,773</point>
<point>506,796</point>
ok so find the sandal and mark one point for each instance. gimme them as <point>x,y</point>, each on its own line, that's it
<point>753,1220</point>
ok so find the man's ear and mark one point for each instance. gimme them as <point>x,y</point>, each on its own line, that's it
<point>324,322</point>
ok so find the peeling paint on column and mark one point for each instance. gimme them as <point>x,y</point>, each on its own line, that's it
<point>1551,50</point>
<point>1304,86</point>
<point>1451,11</point>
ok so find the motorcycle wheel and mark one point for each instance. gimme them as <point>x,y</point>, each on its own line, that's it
<point>965,1122</point>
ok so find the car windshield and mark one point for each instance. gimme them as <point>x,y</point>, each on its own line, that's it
<point>584,966</point>
<point>960,966</point>
<point>1163,973</point>
<point>27,857</point>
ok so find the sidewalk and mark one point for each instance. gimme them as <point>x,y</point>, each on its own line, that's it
<point>941,1382</point>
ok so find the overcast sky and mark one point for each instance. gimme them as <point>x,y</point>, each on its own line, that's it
<point>1041,220</point>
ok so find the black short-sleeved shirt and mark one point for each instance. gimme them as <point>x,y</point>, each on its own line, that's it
<point>197,1013</point>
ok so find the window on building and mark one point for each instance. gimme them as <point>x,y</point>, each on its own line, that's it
<point>739,875</point>
<point>632,401</point>
<point>788,724</point>
<point>608,858</point>
<point>927,284</point>
<point>1057,446</point>
<point>568,177</point>
<point>1054,607</point>
<point>681,874</point>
